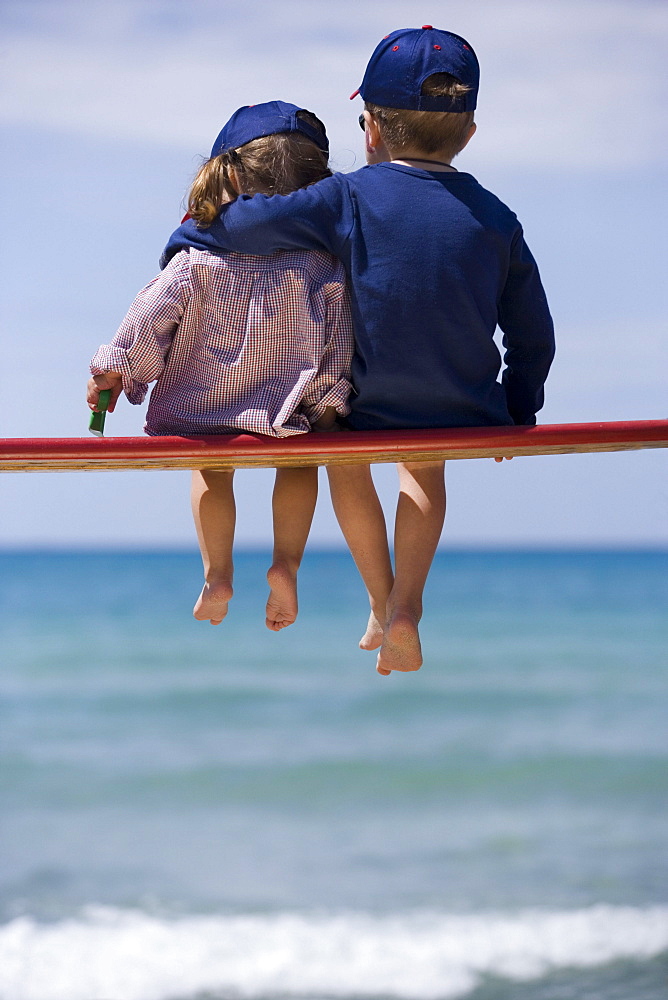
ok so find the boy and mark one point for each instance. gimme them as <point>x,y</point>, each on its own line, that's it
<point>435,262</point>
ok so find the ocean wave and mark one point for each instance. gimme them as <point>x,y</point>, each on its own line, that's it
<point>114,954</point>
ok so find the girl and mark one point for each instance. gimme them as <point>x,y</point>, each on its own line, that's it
<point>240,343</point>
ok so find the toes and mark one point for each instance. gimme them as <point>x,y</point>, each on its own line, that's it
<point>276,624</point>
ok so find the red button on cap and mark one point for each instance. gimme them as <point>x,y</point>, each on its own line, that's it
<point>427,26</point>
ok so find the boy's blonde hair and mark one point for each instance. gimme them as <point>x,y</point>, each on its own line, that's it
<point>273,164</point>
<point>427,131</point>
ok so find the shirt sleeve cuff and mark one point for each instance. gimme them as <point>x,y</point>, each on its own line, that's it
<point>115,359</point>
<point>337,397</point>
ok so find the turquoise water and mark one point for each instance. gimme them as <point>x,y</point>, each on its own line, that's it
<point>198,812</point>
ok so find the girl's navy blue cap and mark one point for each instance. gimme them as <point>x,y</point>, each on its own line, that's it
<point>258,120</point>
<point>403,60</point>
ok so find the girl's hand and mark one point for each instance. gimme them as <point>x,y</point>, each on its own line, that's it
<point>110,380</point>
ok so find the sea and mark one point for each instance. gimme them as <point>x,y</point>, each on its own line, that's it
<point>192,812</point>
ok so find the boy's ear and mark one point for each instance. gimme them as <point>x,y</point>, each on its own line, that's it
<point>472,132</point>
<point>372,132</point>
<point>376,150</point>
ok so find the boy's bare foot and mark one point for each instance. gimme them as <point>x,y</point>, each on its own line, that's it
<point>373,636</point>
<point>212,602</point>
<point>401,648</point>
<point>282,603</point>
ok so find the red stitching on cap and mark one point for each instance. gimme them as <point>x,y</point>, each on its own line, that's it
<point>467,48</point>
<point>385,36</point>
<point>437,46</point>
<point>394,48</point>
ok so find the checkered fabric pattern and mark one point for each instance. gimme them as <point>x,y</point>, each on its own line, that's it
<point>237,343</point>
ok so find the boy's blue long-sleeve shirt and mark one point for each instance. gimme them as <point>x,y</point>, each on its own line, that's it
<point>435,263</point>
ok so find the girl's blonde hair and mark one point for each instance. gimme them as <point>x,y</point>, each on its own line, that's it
<point>274,164</point>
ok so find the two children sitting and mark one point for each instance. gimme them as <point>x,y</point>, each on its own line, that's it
<point>433,262</point>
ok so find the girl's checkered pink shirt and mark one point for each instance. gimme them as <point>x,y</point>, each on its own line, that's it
<point>237,343</point>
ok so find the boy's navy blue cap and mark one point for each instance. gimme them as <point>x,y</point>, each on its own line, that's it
<point>403,60</point>
<point>258,120</point>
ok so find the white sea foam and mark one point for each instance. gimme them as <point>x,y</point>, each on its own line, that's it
<point>111,954</point>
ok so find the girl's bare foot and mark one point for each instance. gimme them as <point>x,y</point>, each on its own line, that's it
<point>282,603</point>
<point>401,648</point>
<point>212,602</point>
<point>373,636</point>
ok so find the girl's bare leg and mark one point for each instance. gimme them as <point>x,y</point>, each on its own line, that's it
<point>293,504</point>
<point>417,530</point>
<point>362,522</point>
<point>214,511</point>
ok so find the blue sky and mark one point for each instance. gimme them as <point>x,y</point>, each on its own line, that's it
<point>106,109</point>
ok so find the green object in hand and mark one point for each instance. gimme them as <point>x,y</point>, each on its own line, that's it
<point>96,425</point>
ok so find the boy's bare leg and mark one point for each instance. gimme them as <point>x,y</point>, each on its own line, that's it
<point>214,511</point>
<point>362,522</point>
<point>293,504</point>
<point>417,530</point>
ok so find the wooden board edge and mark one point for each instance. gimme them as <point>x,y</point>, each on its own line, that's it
<point>385,456</point>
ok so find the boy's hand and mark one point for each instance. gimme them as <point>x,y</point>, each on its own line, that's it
<point>508,458</point>
<point>110,380</point>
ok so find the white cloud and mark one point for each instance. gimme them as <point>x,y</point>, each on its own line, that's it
<point>570,84</point>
